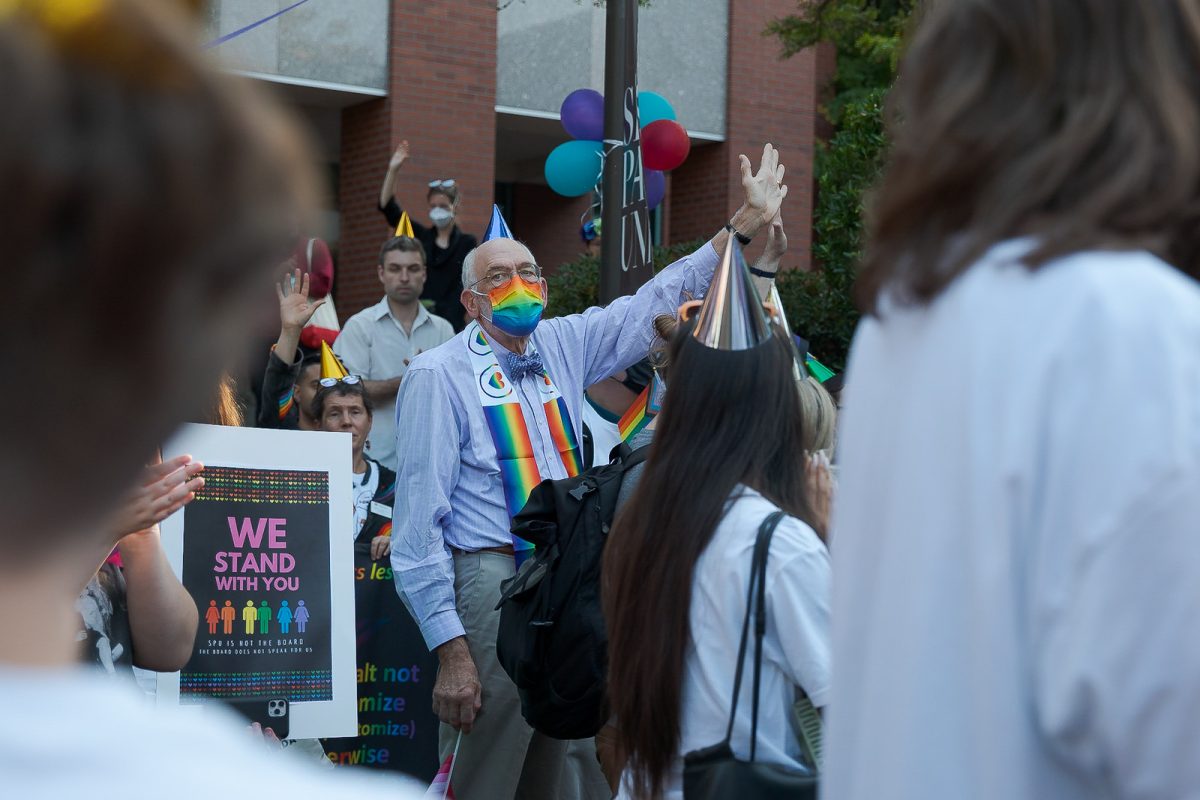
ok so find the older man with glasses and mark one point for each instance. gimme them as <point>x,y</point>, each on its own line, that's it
<point>483,418</point>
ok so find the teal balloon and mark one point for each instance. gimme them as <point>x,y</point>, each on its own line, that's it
<point>573,168</point>
<point>652,107</point>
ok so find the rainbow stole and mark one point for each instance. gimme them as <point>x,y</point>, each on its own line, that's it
<point>514,451</point>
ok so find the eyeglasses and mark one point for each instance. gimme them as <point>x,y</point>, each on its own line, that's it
<point>530,273</point>
<point>442,183</point>
<point>349,380</point>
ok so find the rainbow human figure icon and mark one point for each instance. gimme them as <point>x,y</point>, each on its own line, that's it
<point>284,617</point>
<point>249,616</point>
<point>228,615</point>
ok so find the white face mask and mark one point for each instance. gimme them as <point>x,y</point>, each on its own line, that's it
<point>441,217</point>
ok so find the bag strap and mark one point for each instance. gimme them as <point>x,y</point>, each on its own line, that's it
<point>758,574</point>
<point>628,456</point>
<point>762,548</point>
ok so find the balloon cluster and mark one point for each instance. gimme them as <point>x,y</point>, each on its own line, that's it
<point>573,168</point>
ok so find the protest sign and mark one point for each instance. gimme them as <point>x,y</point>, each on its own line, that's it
<point>397,728</point>
<point>265,550</point>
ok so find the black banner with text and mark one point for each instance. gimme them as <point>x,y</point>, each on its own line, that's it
<point>397,729</point>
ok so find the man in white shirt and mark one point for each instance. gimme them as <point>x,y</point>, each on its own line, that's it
<point>1016,543</point>
<point>378,342</point>
<point>154,195</point>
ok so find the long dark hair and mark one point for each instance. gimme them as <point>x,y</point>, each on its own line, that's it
<point>1070,121</point>
<point>729,418</point>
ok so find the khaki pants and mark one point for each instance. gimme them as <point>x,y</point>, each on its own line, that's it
<point>502,757</point>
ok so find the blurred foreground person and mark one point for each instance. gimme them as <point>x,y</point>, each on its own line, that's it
<point>717,470</point>
<point>143,205</point>
<point>1016,533</point>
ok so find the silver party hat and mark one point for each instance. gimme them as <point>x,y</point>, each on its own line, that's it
<point>731,317</point>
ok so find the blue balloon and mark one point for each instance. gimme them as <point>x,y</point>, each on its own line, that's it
<point>573,168</point>
<point>582,114</point>
<point>652,107</point>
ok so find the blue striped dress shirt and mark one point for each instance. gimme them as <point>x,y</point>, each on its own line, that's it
<point>448,489</point>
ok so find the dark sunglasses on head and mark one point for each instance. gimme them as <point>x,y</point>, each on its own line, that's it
<point>442,183</point>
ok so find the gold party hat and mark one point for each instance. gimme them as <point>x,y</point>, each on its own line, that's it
<point>331,365</point>
<point>405,227</point>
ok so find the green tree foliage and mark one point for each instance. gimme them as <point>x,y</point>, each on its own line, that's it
<point>867,35</point>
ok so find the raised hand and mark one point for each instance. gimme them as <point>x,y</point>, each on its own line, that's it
<point>400,156</point>
<point>763,190</point>
<point>776,246</point>
<point>295,309</point>
<point>164,488</point>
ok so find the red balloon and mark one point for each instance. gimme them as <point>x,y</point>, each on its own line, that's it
<point>665,144</point>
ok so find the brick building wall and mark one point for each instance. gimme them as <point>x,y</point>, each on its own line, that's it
<point>441,98</point>
<point>769,100</point>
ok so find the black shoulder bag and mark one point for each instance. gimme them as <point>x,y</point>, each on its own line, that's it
<point>714,773</point>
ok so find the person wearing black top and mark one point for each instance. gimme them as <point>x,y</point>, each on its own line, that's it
<point>445,245</point>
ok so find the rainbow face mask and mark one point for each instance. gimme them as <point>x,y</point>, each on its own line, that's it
<point>517,307</point>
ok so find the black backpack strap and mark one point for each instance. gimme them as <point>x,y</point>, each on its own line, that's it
<point>758,577</point>
<point>634,457</point>
<point>627,455</point>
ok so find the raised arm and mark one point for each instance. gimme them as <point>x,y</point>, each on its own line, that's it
<point>767,266</point>
<point>295,310</point>
<point>387,192</point>
<point>613,337</point>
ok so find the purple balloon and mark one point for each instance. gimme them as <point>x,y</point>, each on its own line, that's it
<point>582,114</point>
<point>656,187</point>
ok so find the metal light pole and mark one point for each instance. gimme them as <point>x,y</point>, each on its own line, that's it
<point>625,246</point>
